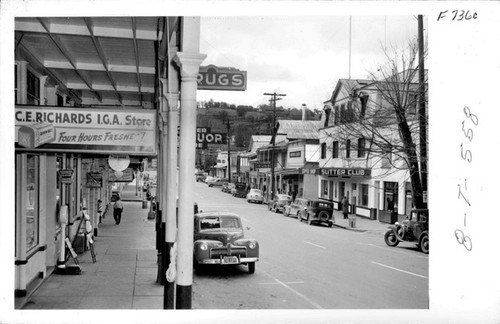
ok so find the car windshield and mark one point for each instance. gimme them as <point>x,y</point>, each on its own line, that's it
<point>255,191</point>
<point>283,197</point>
<point>219,222</point>
<point>240,186</point>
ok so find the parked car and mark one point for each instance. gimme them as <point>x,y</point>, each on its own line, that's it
<point>414,229</point>
<point>298,206</point>
<point>317,212</point>
<point>239,190</point>
<point>219,239</point>
<point>209,178</point>
<point>200,177</point>
<point>227,186</point>
<point>217,182</point>
<point>278,203</point>
<point>255,195</point>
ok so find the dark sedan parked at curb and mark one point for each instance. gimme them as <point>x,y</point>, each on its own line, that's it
<point>313,211</point>
<point>219,239</point>
<point>279,202</point>
<point>239,190</point>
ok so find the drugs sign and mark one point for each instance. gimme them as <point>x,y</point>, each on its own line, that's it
<point>212,77</point>
<point>204,137</point>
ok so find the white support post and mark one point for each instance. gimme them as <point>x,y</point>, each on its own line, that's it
<point>189,61</point>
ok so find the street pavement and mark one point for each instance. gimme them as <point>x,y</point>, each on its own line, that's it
<point>125,274</point>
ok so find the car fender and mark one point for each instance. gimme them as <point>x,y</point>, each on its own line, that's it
<point>199,253</point>
<point>245,242</point>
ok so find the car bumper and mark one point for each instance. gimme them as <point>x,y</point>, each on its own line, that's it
<point>219,261</point>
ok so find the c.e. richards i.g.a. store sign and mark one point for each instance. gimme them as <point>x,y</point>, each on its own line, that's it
<point>130,131</point>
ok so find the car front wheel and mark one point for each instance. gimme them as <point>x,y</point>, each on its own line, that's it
<point>391,239</point>
<point>251,267</point>
<point>299,217</point>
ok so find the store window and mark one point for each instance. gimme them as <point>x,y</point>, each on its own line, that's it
<point>364,195</point>
<point>33,89</point>
<point>31,204</point>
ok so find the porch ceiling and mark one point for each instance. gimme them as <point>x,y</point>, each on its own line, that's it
<point>94,60</point>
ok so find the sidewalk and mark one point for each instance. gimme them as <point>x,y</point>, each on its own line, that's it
<point>124,276</point>
<point>363,224</point>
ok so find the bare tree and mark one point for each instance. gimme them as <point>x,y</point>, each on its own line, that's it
<point>382,116</point>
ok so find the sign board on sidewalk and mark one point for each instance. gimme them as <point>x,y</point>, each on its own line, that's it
<point>212,77</point>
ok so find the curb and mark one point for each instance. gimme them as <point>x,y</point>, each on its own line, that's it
<point>350,229</point>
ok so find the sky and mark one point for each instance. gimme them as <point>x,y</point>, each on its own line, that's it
<point>302,57</point>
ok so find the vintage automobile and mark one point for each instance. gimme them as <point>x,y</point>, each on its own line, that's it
<point>298,206</point>
<point>255,195</point>
<point>313,211</point>
<point>239,190</point>
<point>318,211</point>
<point>227,186</point>
<point>219,239</point>
<point>201,176</point>
<point>217,182</point>
<point>414,229</point>
<point>279,202</point>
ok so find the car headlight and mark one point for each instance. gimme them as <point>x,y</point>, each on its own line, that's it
<point>252,245</point>
<point>203,246</point>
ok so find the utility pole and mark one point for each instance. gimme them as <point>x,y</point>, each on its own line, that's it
<point>228,126</point>
<point>274,98</point>
<point>422,108</point>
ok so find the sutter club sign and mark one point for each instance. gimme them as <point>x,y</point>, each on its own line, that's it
<point>337,172</point>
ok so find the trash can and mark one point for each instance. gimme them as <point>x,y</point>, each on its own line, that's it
<point>144,204</point>
<point>352,221</point>
<point>373,214</point>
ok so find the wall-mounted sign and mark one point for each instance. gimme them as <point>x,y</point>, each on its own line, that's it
<point>212,77</point>
<point>94,180</point>
<point>118,162</point>
<point>204,137</point>
<point>66,176</point>
<point>69,129</point>
<point>294,154</point>
<point>32,136</point>
<point>126,175</point>
<point>351,172</point>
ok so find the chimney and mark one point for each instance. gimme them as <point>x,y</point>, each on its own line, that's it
<point>304,108</point>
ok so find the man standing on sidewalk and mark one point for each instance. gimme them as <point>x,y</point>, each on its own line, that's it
<point>117,210</point>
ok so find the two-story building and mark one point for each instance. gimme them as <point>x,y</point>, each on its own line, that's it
<point>359,156</point>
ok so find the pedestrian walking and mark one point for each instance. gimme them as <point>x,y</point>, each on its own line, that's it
<point>345,207</point>
<point>117,210</point>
